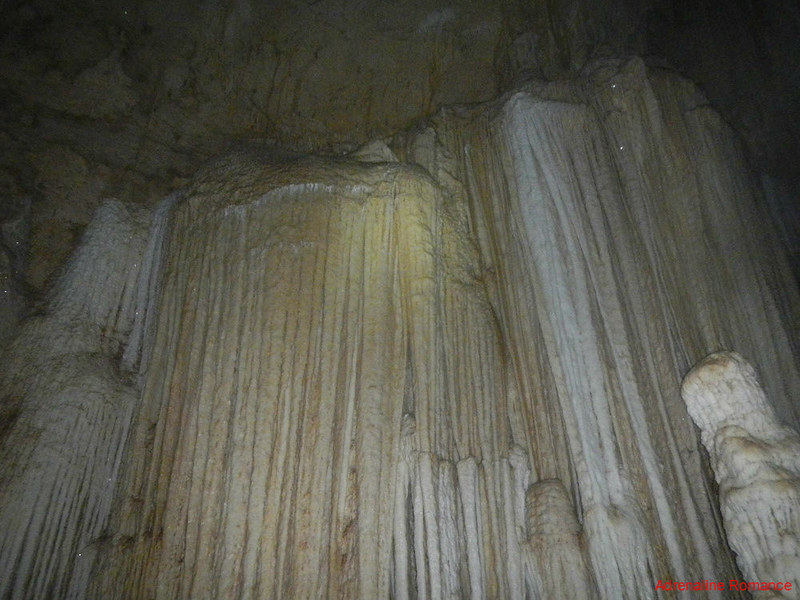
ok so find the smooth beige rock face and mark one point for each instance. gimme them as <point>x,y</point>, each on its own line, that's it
<point>756,461</point>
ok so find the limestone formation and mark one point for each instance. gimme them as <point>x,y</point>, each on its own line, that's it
<point>66,413</point>
<point>557,549</point>
<point>443,367</point>
<point>756,460</point>
<point>303,351</point>
<point>616,217</point>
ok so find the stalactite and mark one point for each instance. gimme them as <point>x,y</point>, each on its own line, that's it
<point>756,461</point>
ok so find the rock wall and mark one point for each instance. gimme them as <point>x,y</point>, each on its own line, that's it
<point>126,99</point>
<point>452,375</point>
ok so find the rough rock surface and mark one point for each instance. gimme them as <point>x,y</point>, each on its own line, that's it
<point>756,461</point>
<point>449,368</point>
<point>126,99</point>
<point>66,412</point>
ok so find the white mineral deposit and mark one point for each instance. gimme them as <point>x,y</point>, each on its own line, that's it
<point>387,301</point>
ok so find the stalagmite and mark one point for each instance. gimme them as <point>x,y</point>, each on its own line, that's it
<point>562,570</point>
<point>756,461</point>
<point>446,366</point>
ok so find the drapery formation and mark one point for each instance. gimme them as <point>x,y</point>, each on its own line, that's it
<point>310,416</point>
<point>66,412</point>
<point>452,376</point>
<point>618,217</point>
